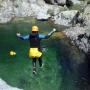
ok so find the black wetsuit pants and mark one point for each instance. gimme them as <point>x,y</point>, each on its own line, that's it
<point>34,63</point>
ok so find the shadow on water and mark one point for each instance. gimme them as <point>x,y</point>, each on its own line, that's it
<point>73,65</point>
<point>87,59</point>
<point>63,57</point>
<point>63,52</point>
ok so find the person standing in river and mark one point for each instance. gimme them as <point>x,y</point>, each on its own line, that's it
<point>35,51</point>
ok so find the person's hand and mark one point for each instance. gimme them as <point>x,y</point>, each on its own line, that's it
<point>54,29</point>
<point>18,34</point>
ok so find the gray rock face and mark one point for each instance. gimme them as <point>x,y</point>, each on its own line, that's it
<point>65,17</point>
<point>19,8</point>
<point>23,8</point>
<point>61,1</point>
<point>6,11</point>
<point>76,1</point>
<point>87,15</point>
<point>79,37</point>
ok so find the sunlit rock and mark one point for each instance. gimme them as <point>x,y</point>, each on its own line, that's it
<point>80,37</point>
<point>65,17</point>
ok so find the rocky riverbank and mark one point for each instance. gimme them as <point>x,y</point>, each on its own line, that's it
<point>9,9</point>
<point>80,36</point>
<point>78,31</point>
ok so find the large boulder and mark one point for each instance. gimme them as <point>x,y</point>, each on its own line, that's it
<point>76,1</point>
<point>50,1</point>
<point>86,14</point>
<point>61,1</point>
<point>18,8</point>
<point>65,17</point>
<point>36,8</point>
<point>6,11</point>
<point>80,37</point>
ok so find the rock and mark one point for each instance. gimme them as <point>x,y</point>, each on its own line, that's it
<point>86,14</point>
<point>50,1</point>
<point>62,2</point>
<point>80,37</point>
<point>18,8</point>
<point>5,86</point>
<point>6,11</point>
<point>64,17</point>
<point>40,12</point>
<point>55,1</point>
<point>76,1</point>
<point>36,8</point>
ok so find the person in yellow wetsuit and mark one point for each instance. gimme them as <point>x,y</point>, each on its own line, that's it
<point>35,51</point>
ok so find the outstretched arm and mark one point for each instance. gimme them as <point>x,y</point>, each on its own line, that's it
<point>22,37</point>
<point>54,30</point>
<point>47,36</point>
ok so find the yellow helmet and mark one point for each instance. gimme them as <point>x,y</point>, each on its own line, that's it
<point>35,28</point>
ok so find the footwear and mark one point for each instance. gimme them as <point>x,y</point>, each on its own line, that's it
<point>42,66</point>
<point>34,72</point>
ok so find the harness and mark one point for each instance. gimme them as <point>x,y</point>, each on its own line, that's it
<point>34,41</point>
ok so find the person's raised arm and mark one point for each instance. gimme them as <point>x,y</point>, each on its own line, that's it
<point>22,37</point>
<point>49,34</point>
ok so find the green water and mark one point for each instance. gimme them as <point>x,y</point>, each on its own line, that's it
<point>17,71</point>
